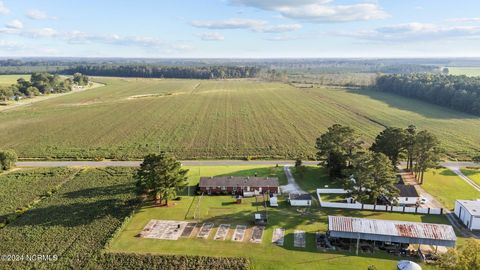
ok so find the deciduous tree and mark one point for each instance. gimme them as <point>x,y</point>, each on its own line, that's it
<point>8,158</point>
<point>465,258</point>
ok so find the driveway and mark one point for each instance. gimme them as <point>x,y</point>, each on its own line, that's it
<point>292,186</point>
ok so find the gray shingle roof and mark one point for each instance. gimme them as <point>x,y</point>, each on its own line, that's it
<point>238,181</point>
<point>407,190</point>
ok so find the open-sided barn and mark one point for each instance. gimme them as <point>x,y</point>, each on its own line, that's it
<point>392,231</point>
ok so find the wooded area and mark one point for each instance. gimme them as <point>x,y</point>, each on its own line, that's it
<point>460,93</point>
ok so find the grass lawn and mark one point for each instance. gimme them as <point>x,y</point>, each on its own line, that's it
<point>447,187</point>
<point>473,174</point>
<point>223,209</point>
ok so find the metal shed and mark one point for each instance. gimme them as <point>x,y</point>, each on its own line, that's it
<point>391,231</point>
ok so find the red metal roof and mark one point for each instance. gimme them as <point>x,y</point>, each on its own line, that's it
<point>391,228</point>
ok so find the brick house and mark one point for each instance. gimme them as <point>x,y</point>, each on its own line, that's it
<point>238,185</point>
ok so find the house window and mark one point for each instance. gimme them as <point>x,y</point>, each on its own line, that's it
<point>406,199</point>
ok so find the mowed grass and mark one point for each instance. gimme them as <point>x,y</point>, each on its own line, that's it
<point>216,119</point>
<point>473,174</point>
<point>468,71</point>
<point>447,187</point>
<point>7,80</point>
<point>222,209</point>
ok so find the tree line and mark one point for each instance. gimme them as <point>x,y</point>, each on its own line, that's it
<point>460,93</point>
<point>39,84</point>
<point>153,71</point>
<point>370,174</point>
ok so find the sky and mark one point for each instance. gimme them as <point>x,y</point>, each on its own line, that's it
<point>240,28</point>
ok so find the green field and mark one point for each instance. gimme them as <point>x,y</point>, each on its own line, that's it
<point>7,80</point>
<point>222,209</point>
<point>21,188</point>
<point>468,71</point>
<point>473,174</point>
<point>447,187</point>
<point>216,119</point>
<point>74,223</point>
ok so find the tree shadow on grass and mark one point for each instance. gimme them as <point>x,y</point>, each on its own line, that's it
<point>413,105</point>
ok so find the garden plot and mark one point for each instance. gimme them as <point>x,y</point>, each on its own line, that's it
<point>205,230</point>
<point>222,232</point>
<point>257,234</point>
<point>299,239</point>
<point>239,233</point>
<point>188,229</point>
<point>163,229</point>
<point>278,236</point>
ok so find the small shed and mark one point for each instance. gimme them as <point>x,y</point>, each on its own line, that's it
<point>298,199</point>
<point>469,213</point>
<point>273,201</point>
<point>408,194</point>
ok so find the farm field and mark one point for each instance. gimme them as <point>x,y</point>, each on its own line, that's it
<point>19,189</point>
<point>7,80</point>
<point>216,119</point>
<point>468,71</point>
<point>74,223</point>
<point>473,174</point>
<point>447,187</point>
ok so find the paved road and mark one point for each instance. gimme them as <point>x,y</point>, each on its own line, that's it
<point>137,163</point>
<point>292,186</point>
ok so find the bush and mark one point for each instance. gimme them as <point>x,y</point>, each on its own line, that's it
<point>8,158</point>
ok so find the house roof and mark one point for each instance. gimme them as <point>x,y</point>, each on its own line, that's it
<point>407,191</point>
<point>300,197</point>
<point>401,231</point>
<point>473,207</point>
<point>238,181</point>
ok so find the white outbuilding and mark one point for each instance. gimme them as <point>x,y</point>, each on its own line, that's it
<point>273,201</point>
<point>408,265</point>
<point>298,199</point>
<point>469,213</point>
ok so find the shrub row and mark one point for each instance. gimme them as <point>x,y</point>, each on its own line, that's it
<point>121,261</point>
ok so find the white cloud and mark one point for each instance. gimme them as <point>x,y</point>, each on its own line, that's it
<point>114,39</point>
<point>41,33</point>
<point>15,24</point>
<point>415,32</point>
<point>464,20</point>
<point>11,45</point>
<point>283,38</point>
<point>254,25</point>
<point>211,36</point>
<point>3,9</point>
<point>36,14</point>
<point>318,11</point>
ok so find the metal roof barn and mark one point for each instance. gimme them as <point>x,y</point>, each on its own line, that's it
<point>392,231</point>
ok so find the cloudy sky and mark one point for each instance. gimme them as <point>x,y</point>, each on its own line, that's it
<point>240,28</point>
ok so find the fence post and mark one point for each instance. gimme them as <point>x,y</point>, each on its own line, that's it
<point>428,210</point>
<point>441,211</point>
<point>404,209</point>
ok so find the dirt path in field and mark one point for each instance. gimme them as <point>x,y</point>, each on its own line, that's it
<point>30,101</point>
<point>292,186</point>
<point>457,171</point>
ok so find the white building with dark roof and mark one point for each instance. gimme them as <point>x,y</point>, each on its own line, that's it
<point>469,213</point>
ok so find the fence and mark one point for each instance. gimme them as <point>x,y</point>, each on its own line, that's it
<point>372,207</point>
